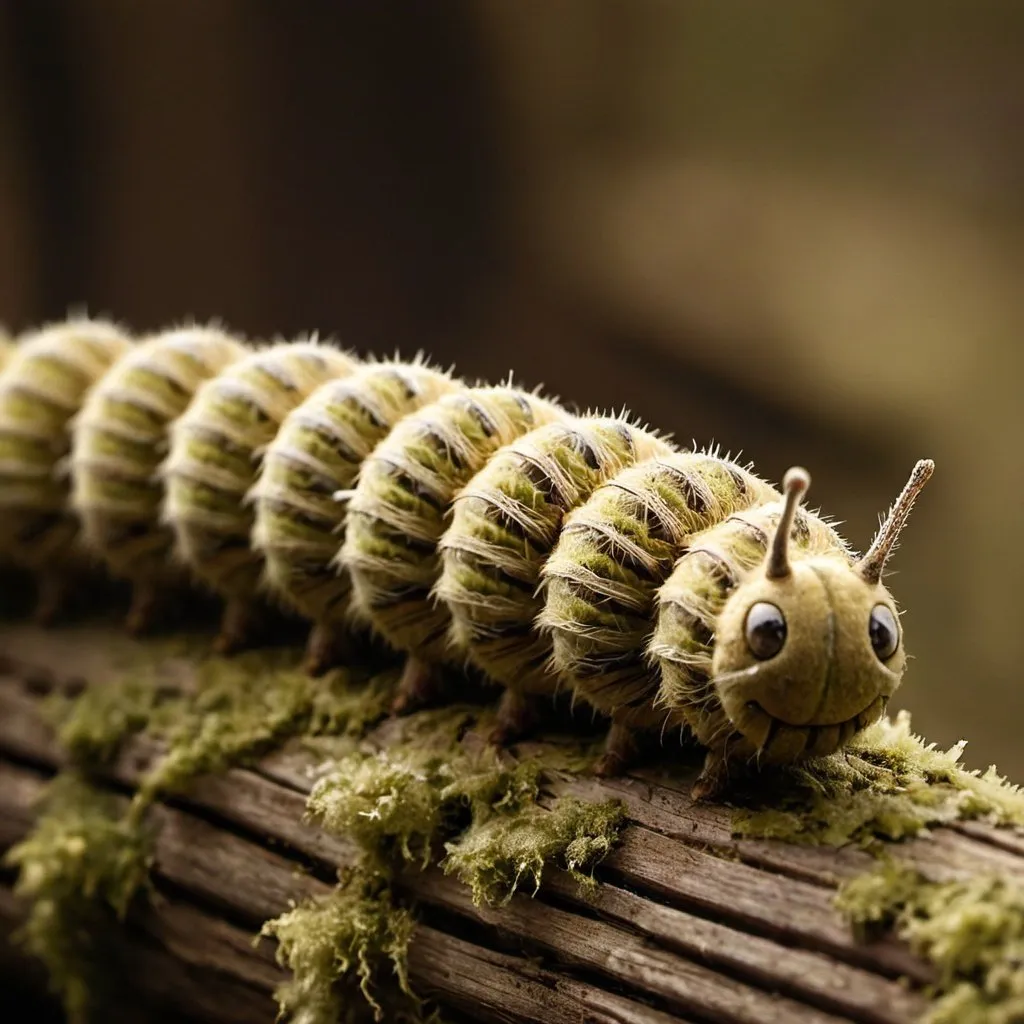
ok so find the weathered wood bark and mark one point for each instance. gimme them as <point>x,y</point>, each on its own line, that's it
<point>688,923</point>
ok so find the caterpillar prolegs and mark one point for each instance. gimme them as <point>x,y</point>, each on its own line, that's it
<point>669,589</point>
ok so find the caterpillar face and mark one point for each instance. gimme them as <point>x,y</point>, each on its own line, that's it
<point>807,660</point>
<point>774,643</point>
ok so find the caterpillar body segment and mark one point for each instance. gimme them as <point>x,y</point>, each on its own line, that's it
<point>317,453</point>
<point>504,526</point>
<point>215,449</point>
<point>120,438</point>
<point>42,387</point>
<point>613,555</point>
<point>397,513</point>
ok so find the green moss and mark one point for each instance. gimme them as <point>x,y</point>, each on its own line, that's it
<point>336,945</point>
<point>92,727</point>
<point>888,784</point>
<point>495,856</point>
<point>139,697</point>
<point>398,803</point>
<point>246,705</point>
<point>971,931</point>
<point>80,869</point>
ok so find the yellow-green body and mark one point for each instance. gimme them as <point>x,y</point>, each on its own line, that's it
<point>398,510</point>
<point>214,457</point>
<point>120,439</point>
<point>318,452</point>
<point>504,526</point>
<point>42,386</point>
<point>614,554</point>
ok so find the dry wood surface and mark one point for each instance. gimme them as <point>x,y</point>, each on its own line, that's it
<point>688,923</point>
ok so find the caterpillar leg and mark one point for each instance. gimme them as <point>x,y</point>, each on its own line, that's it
<point>52,590</point>
<point>329,645</point>
<point>142,615</point>
<point>713,778</point>
<point>620,750</point>
<point>237,626</point>
<point>517,713</point>
<point>417,686</point>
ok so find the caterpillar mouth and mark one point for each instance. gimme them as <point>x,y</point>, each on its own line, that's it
<point>776,741</point>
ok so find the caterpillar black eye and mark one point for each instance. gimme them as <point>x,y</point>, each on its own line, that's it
<point>766,630</point>
<point>883,631</point>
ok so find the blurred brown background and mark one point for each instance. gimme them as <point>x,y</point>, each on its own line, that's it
<point>795,228</point>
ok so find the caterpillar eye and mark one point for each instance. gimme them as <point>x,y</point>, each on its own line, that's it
<point>883,631</point>
<point>766,630</point>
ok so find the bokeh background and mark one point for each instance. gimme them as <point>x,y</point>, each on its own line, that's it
<point>794,228</point>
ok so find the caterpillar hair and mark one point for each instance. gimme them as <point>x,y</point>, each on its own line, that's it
<point>396,514</point>
<point>505,523</point>
<point>213,461</point>
<point>307,472</point>
<point>119,440</point>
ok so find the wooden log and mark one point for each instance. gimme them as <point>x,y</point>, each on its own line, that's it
<point>687,923</point>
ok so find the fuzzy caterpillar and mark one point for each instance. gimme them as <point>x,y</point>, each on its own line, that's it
<point>397,511</point>
<point>119,441</point>
<point>667,589</point>
<point>318,452</point>
<point>215,447</point>
<point>42,386</point>
<point>505,523</point>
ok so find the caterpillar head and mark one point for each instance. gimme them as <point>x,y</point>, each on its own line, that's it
<point>808,650</point>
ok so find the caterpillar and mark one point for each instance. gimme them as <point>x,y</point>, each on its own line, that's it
<point>668,589</point>
<point>307,470</point>
<point>119,440</point>
<point>44,380</point>
<point>211,468</point>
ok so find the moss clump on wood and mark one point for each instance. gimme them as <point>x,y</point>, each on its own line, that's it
<point>888,784</point>
<point>495,856</point>
<point>397,804</point>
<point>246,705</point>
<point>336,946</point>
<point>93,726</point>
<point>84,862</point>
<point>81,868</point>
<point>402,803</point>
<point>972,931</point>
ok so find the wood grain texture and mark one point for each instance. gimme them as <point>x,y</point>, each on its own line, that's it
<point>688,923</point>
